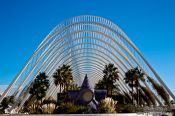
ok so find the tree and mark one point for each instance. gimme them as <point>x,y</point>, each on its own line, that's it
<point>109,79</point>
<point>116,89</point>
<point>58,78</point>
<point>5,103</point>
<point>132,78</point>
<point>39,88</point>
<point>74,86</point>
<point>63,77</point>
<point>100,85</point>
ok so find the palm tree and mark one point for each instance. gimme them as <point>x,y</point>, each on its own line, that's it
<point>116,89</point>
<point>132,78</point>
<point>68,78</point>
<point>74,86</point>
<point>39,88</point>
<point>100,85</point>
<point>110,77</point>
<point>58,78</point>
<point>63,77</point>
<point>130,81</point>
<point>5,103</point>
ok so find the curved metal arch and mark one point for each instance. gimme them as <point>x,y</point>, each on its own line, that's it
<point>79,61</point>
<point>52,90</point>
<point>123,85</point>
<point>148,87</point>
<point>126,51</point>
<point>123,77</point>
<point>135,60</point>
<point>89,57</point>
<point>100,33</point>
<point>57,58</point>
<point>61,28</point>
<point>82,63</point>
<point>33,68</point>
<point>118,29</point>
<point>48,49</point>
<point>89,48</point>
<point>105,42</point>
<point>128,60</point>
<point>136,49</point>
<point>70,57</point>
<point>67,59</point>
<point>85,52</point>
<point>101,67</point>
<point>121,90</point>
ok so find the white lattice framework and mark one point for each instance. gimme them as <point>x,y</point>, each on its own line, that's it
<point>87,43</point>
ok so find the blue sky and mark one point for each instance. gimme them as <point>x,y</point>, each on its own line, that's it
<point>149,23</point>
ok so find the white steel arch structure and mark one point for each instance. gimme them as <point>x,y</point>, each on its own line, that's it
<point>87,43</point>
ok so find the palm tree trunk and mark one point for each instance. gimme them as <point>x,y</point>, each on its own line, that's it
<point>138,93</point>
<point>60,88</point>
<point>111,91</point>
<point>132,96</point>
<point>64,88</point>
<point>137,96</point>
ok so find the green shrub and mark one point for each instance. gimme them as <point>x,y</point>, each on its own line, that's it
<point>82,109</point>
<point>71,108</point>
<point>1,111</point>
<point>128,108</point>
<point>125,108</point>
<point>66,108</point>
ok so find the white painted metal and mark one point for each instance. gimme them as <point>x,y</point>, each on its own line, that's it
<point>90,36</point>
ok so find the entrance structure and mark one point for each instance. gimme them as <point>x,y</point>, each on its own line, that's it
<point>87,43</point>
